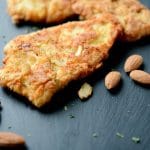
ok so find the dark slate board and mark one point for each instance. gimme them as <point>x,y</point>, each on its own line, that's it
<point>126,110</point>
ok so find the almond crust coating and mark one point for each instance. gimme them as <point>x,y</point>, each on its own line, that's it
<point>39,11</point>
<point>39,64</point>
<point>132,15</point>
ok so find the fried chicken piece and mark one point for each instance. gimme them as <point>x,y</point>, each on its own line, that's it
<point>39,64</point>
<point>39,11</point>
<point>133,16</point>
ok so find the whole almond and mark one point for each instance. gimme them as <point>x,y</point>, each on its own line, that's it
<point>9,139</point>
<point>140,76</point>
<point>133,62</point>
<point>112,79</point>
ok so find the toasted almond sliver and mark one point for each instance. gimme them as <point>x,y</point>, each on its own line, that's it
<point>79,51</point>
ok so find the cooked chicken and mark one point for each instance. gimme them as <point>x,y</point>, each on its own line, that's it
<point>39,64</point>
<point>133,16</point>
<point>39,11</point>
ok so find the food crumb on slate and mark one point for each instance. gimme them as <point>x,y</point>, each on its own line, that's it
<point>95,135</point>
<point>71,116</point>
<point>28,134</point>
<point>85,91</point>
<point>120,135</point>
<point>9,127</point>
<point>65,108</point>
<point>136,139</point>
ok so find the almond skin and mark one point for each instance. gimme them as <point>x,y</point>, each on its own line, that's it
<point>140,76</point>
<point>9,139</point>
<point>112,79</point>
<point>133,62</point>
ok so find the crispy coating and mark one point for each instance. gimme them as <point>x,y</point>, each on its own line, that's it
<point>39,64</point>
<point>39,11</point>
<point>133,16</point>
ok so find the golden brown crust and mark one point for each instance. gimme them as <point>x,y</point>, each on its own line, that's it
<point>39,64</point>
<point>133,16</point>
<point>39,11</point>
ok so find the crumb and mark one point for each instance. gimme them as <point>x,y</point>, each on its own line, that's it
<point>65,108</point>
<point>136,139</point>
<point>71,116</point>
<point>95,135</point>
<point>29,135</point>
<point>120,135</point>
<point>9,127</point>
<point>85,91</point>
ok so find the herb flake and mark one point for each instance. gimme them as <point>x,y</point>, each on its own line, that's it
<point>9,127</point>
<point>120,135</point>
<point>35,28</point>
<point>71,116</point>
<point>136,139</point>
<point>29,135</point>
<point>95,135</point>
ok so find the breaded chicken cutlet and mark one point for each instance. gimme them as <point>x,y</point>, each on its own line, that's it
<point>39,11</point>
<point>133,16</point>
<point>39,64</point>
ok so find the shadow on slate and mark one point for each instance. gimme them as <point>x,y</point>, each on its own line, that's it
<point>60,99</point>
<point>117,53</point>
<point>40,25</point>
<point>142,85</point>
<point>116,90</point>
<point>18,97</point>
<point>16,148</point>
